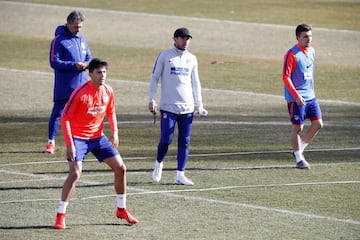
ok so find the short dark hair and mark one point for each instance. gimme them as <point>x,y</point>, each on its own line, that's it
<point>97,63</point>
<point>75,16</point>
<point>302,28</point>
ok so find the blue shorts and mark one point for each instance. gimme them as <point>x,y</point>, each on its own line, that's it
<point>310,110</point>
<point>101,148</point>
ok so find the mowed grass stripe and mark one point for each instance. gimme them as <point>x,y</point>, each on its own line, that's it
<point>209,34</point>
<point>49,77</point>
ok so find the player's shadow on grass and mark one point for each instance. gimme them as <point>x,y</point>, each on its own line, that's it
<point>22,152</point>
<point>68,227</point>
<point>243,168</point>
<point>144,170</point>
<point>101,224</point>
<point>129,183</point>
<point>55,187</point>
<point>26,227</point>
<point>108,170</point>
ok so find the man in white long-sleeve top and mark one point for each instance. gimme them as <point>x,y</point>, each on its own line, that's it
<point>180,99</point>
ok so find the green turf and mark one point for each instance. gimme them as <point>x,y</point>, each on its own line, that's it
<point>237,73</point>
<point>322,13</point>
<point>246,186</point>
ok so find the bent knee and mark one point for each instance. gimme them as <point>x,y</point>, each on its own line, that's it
<point>318,123</point>
<point>120,170</point>
<point>123,168</point>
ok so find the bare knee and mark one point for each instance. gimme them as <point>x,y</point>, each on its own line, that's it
<point>117,165</point>
<point>321,124</point>
<point>297,129</point>
<point>318,124</point>
<point>74,176</point>
<point>121,170</point>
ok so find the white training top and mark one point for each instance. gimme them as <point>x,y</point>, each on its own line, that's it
<point>180,83</point>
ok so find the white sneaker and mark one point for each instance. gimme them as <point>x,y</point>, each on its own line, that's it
<point>156,175</point>
<point>182,180</point>
<point>303,164</point>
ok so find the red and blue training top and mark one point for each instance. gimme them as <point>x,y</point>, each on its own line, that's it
<point>298,73</point>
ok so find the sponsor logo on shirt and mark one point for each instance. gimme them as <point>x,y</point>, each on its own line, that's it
<point>179,71</point>
<point>96,110</point>
<point>308,75</point>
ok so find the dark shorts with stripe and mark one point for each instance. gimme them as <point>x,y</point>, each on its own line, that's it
<point>311,110</point>
<point>101,148</point>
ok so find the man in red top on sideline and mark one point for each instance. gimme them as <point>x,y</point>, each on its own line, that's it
<point>82,123</point>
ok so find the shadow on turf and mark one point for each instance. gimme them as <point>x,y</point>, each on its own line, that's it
<point>17,152</point>
<point>67,227</point>
<point>142,170</point>
<point>174,169</point>
<point>97,171</point>
<point>27,227</point>
<point>80,186</point>
<point>54,187</point>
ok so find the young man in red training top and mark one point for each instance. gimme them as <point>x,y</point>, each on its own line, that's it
<point>298,79</point>
<point>82,124</point>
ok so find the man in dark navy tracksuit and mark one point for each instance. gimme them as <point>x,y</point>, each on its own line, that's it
<point>69,57</point>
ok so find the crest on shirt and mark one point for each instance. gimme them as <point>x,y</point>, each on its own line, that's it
<point>86,98</point>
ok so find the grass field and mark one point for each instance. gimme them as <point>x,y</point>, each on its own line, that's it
<point>246,183</point>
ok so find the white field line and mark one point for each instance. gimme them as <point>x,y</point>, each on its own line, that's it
<point>41,178</point>
<point>176,193</point>
<point>189,170</point>
<point>224,91</point>
<point>25,174</point>
<point>202,122</point>
<point>267,209</point>
<point>184,18</point>
<point>147,171</point>
<point>212,155</point>
<point>145,192</point>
